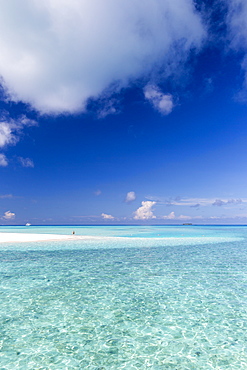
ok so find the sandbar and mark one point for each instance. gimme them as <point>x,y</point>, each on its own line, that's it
<point>6,237</point>
<point>25,237</point>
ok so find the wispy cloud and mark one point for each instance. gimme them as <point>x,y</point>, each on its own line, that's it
<point>26,162</point>
<point>220,202</point>
<point>11,129</point>
<point>180,201</point>
<point>163,103</point>
<point>105,106</point>
<point>6,196</point>
<point>193,202</point>
<point>171,216</point>
<point>57,54</point>
<point>130,197</point>
<point>3,160</point>
<point>237,27</point>
<point>184,217</point>
<point>196,202</point>
<point>197,205</point>
<point>145,212</point>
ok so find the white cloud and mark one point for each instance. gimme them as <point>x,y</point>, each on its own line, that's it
<point>55,54</point>
<point>107,217</point>
<point>237,25</point>
<point>171,216</point>
<point>26,162</point>
<point>160,101</point>
<point>183,217</point>
<point>11,129</point>
<point>3,160</point>
<point>6,136</point>
<point>9,215</point>
<point>145,211</point>
<point>130,197</point>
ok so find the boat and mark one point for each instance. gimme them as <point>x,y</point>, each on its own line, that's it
<point>28,224</point>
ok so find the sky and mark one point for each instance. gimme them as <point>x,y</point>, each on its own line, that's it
<point>123,112</point>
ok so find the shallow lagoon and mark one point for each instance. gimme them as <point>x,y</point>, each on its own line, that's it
<point>138,298</point>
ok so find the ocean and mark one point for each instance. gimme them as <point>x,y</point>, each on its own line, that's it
<point>138,297</point>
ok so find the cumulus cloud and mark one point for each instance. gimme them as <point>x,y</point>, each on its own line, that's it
<point>55,54</point>
<point>10,129</point>
<point>130,197</point>
<point>107,217</point>
<point>160,101</point>
<point>9,215</point>
<point>171,216</point>
<point>3,160</point>
<point>26,162</point>
<point>145,212</point>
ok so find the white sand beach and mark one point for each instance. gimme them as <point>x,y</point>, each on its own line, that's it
<point>24,237</point>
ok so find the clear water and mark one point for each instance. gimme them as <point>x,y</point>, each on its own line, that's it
<point>138,298</point>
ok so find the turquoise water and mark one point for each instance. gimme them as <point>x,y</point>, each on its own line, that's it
<point>137,298</point>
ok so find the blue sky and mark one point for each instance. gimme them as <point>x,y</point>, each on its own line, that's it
<point>123,112</point>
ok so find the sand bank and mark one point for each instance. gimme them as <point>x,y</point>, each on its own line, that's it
<point>29,237</point>
<point>24,237</point>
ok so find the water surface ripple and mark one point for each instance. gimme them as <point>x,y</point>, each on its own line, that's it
<point>126,305</point>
